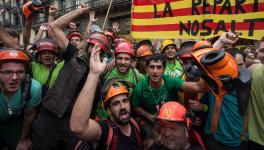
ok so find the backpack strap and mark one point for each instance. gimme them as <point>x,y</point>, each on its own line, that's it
<point>137,131</point>
<point>78,145</point>
<point>216,113</point>
<point>244,130</point>
<point>26,88</point>
<point>196,138</point>
<point>110,135</point>
<point>113,138</point>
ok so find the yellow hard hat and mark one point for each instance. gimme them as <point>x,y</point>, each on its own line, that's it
<point>166,43</point>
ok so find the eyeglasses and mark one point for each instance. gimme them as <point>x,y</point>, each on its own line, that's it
<point>9,73</point>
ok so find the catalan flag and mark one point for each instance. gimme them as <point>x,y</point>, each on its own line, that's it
<point>192,19</point>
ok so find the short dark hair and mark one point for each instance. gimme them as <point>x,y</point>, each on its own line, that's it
<point>261,40</point>
<point>156,57</point>
<point>184,45</point>
<point>235,51</point>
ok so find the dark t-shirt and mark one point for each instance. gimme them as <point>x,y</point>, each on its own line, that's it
<point>161,147</point>
<point>123,142</point>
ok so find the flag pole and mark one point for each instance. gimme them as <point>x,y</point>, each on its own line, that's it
<point>107,14</point>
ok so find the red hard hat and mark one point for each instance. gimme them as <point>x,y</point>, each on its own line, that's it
<point>110,34</point>
<point>46,46</point>
<point>172,111</point>
<point>98,37</point>
<point>74,34</point>
<point>13,55</point>
<point>125,47</point>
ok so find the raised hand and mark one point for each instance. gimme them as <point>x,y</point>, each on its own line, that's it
<point>72,25</point>
<point>96,65</point>
<point>85,7</point>
<point>92,16</point>
<point>2,11</point>
<point>44,27</point>
<point>116,26</point>
<point>229,38</point>
<point>52,10</point>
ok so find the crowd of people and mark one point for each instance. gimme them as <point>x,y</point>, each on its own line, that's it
<point>99,90</point>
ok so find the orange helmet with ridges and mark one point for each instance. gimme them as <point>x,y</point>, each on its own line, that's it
<point>144,50</point>
<point>172,111</point>
<point>125,47</point>
<point>98,37</point>
<point>114,90</point>
<point>13,55</point>
<point>201,45</point>
<point>46,46</point>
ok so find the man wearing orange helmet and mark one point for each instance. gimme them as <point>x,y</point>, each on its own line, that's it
<point>143,52</point>
<point>19,99</point>
<point>125,133</point>
<point>173,67</point>
<point>172,130</point>
<point>124,57</point>
<point>157,88</point>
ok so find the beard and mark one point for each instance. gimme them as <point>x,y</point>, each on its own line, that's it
<point>118,118</point>
<point>124,69</point>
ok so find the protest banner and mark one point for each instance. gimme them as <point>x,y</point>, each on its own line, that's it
<point>192,19</point>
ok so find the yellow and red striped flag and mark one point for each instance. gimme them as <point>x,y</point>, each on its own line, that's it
<point>191,19</point>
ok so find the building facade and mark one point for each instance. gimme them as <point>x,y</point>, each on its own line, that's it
<point>120,11</point>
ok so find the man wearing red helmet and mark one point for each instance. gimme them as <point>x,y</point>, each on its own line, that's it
<point>124,56</point>
<point>17,111</point>
<point>126,133</point>
<point>75,37</point>
<point>172,130</point>
<point>44,69</point>
<point>52,125</point>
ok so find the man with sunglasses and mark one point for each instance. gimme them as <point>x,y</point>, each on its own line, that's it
<point>17,113</point>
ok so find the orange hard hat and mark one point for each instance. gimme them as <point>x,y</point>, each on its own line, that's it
<point>13,55</point>
<point>98,37</point>
<point>29,8</point>
<point>46,46</point>
<point>114,90</point>
<point>125,47</point>
<point>201,45</point>
<point>172,111</point>
<point>144,50</point>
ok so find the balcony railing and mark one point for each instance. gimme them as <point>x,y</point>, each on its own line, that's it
<point>98,5</point>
